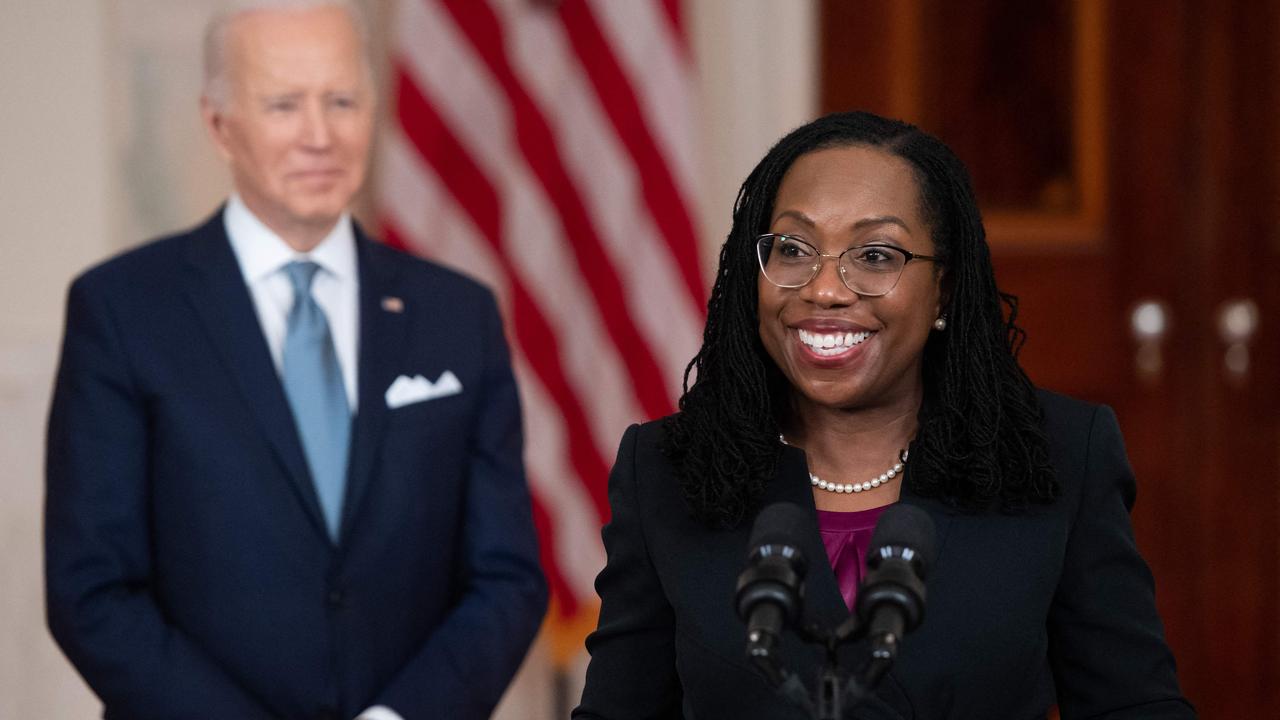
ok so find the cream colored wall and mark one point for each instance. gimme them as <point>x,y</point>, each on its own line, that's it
<point>56,208</point>
<point>100,147</point>
<point>54,184</point>
<point>757,79</point>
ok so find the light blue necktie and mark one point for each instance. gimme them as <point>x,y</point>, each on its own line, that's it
<point>313,383</point>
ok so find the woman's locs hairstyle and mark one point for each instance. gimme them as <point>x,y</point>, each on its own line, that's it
<point>980,445</point>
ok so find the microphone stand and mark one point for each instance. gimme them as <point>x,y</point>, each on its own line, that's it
<point>837,692</point>
<point>858,686</point>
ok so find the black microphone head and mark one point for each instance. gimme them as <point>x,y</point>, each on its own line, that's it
<point>781,523</point>
<point>904,531</point>
<point>775,565</point>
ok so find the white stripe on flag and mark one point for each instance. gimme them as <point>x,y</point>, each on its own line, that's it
<point>654,62</point>
<point>578,553</point>
<point>609,185</point>
<point>433,225</point>
<point>619,182</point>
<point>532,235</point>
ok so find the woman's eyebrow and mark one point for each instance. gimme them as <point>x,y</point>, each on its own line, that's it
<point>881,220</point>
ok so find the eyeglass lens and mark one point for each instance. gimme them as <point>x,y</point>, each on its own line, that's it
<point>867,270</point>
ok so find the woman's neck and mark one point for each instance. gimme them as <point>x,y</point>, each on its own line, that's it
<point>848,446</point>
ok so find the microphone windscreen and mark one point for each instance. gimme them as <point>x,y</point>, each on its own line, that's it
<point>905,526</point>
<point>778,524</point>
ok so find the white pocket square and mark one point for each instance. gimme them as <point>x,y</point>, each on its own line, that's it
<point>408,390</point>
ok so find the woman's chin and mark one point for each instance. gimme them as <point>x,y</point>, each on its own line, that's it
<point>841,396</point>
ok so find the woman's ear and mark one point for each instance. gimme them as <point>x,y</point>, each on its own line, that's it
<point>944,292</point>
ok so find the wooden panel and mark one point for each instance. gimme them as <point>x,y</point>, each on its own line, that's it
<point>1062,351</point>
<point>1240,191</point>
<point>998,75</point>
<point>1152,201</point>
<point>864,57</point>
<point>926,62</point>
<point>1171,120</point>
<point>1016,89</point>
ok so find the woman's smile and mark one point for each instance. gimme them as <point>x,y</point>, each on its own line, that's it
<point>827,346</point>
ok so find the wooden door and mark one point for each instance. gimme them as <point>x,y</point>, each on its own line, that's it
<point>1127,157</point>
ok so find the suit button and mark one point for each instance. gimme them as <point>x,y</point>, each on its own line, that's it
<point>327,713</point>
<point>335,598</point>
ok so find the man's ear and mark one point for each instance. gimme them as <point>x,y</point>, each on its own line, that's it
<point>215,123</point>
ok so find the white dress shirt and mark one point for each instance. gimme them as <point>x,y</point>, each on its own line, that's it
<point>262,255</point>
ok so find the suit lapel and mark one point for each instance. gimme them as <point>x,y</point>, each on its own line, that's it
<point>940,513</point>
<point>823,602</point>
<point>222,301</point>
<point>383,323</point>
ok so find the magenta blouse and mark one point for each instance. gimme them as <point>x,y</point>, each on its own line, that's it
<point>846,536</point>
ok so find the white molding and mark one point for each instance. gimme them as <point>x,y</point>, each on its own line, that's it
<point>757,63</point>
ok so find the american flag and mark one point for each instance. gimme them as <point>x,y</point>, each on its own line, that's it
<point>546,148</point>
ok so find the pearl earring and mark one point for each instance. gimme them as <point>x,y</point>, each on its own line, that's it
<point>940,324</point>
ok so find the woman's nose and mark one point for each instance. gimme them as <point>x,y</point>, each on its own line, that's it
<point>827,287</point>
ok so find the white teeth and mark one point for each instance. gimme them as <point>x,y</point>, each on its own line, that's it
<point>832,343</point>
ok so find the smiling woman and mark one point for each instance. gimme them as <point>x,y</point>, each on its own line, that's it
<point>858,354</point>
<point>862,200</point>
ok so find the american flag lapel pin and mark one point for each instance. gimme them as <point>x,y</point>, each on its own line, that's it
<point>392,304</point>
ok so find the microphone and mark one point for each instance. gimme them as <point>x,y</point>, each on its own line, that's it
<point>891,600</point>
<point>771,588</point>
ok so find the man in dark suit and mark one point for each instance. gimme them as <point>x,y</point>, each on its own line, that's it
<point>284,461</point>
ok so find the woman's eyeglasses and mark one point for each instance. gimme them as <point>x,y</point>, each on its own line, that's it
<point>869,270</point>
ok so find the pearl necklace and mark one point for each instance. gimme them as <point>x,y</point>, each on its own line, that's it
<point>875,482</point>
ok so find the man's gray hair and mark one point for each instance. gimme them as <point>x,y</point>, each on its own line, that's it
<point>216,84</point>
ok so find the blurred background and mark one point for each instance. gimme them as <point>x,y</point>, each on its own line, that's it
<point>1127,156</point>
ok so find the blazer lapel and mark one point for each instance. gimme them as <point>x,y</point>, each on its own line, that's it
<point>223,304</point>
<point>823,603</point>
<point>940,513</point>
<point>222,301</point>
<point>383,323</point>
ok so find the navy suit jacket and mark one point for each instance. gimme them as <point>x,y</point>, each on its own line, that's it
<point>1021,610</point>
<point>188,570</point>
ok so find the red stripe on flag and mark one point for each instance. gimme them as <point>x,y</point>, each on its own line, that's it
<point>568,603</point>
<point>477,197</point>
<point>390,237</point>
<point>675,16</point>
<point>671,215</point>
<point>538,144</point>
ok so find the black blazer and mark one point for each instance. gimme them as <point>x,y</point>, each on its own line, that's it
<point>189,571</point>
<point>1022,611</point>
